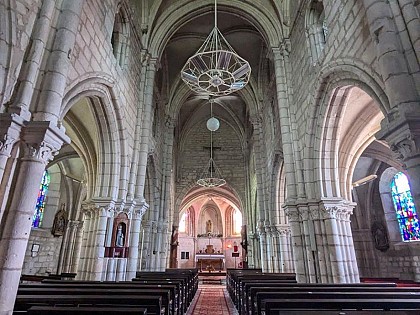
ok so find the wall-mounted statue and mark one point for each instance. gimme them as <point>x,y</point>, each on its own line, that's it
<point>120,238</point>
<point>380,236</point>
<point>59,223</point>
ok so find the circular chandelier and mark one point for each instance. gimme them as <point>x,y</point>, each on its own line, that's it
<point>211,176</point>
<point>216,69</point>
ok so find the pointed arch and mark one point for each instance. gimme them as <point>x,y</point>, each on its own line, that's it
<point>111,169</point>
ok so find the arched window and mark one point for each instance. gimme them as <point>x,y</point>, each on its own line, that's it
<point>316,28</point>
<point>182,223</point>
<point>405,209</point>
<point>40,203</point>
<point>119,38</point>
<point>237,222</point>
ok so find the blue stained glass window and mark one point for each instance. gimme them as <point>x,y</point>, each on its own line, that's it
<point>40,203</point>
<point>405,209</point>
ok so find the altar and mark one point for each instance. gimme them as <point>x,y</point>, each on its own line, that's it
<point>210,262</point>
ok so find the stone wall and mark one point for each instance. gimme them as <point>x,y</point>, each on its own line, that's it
<point>46,259</point>
<point>193,159</point>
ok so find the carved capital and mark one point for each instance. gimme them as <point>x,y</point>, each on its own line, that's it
<point>292,214</point>
<point>402,132</point>
<point>10,129</point>
<point>140,211</point>
<point>40,151</point>
<point>405,148</point>
<point>42,140</point>
<point>329,212</point>
<point>6,144</point>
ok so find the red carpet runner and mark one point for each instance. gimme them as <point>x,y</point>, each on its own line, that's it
<point>212,300</point>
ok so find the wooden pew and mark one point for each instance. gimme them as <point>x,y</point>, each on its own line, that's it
<point>189,282</point>
<point>167,291</point>
<point>153,303</point>
<point>251,289</point>
<point>332,295</point>
<point>63,310</point>
<point>134,290</point>
<point>177,287</point>
<point>279,306</point>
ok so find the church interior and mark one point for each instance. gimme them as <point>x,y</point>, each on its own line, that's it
<point>269,140</point>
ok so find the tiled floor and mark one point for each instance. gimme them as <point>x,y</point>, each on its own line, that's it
<point>212,299</point>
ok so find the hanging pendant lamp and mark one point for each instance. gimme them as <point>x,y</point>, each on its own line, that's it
<point>211,176</point>
<point>216,69</point>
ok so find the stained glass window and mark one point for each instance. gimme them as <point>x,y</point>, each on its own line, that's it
<point>405,209</point>
<point>40,203</point>
<point>237,221</point>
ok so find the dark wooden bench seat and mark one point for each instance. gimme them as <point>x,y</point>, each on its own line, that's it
<point>262,297</point>
<point>348,312</point>
<point>179,292</point>
<point>253,289</point>
<point>152,303</point>
<point>163,293</point>
<point>63,310</point>
<point>278,306</point>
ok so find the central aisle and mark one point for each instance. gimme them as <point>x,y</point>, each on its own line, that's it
<point>212,299</point>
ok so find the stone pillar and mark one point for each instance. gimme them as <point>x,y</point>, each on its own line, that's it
<point>297,241</point>
<point>59,61</point>
<point>269,249</point>
<point>98,246</point>
<point>42,140</point>
<point>146,128</point>
<point>77,246</point>
<point>133,252</point>
<point>276,248</point>
<point>286,261</point>
<point>263,246</point>
<point>281,56</point>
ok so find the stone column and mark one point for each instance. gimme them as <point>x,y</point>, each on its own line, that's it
<point>286,261</point>
<point>297,241</point>
<point>399,84</point>
<point>281,56</point>
<point>55,79</point>
<point>133,252</point>
<point>97,270</point>
<point>269,248</point>
<point>42,140</point>
<point>276,248</point>
<point>263,246</point>
<point>77,246</point>
<point>146,128</point>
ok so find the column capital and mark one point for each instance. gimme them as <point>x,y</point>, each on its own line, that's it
<point>42,140</point>
<point>402,132</point>
<point>141,209</point>
<point>169,122</point>
<point>10,128</point>
<point>292,214</point>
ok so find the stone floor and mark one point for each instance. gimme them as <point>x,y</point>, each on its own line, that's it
<point>212,299</point>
